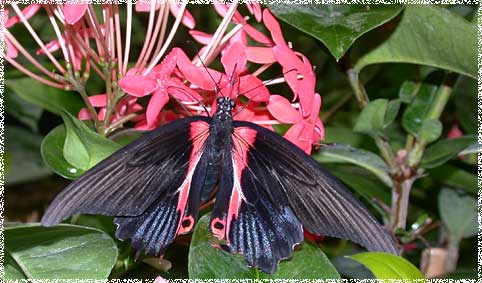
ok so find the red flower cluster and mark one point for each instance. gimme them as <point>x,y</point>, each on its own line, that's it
<point>192,86</point>
<point>179,86</point>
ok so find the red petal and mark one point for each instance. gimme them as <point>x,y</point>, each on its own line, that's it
<point>145,6</point>
<point>27,12</point>
<point>306,93</point>
<point>260,55</point>
<point>201,37</point>
<point>234,60</point>
<point>187,19</point>
<point>12,52</point>
<point>74,12</point>
<point>255,9</point>
<point>282,110</point>
<point>181,92</point>
<point>293,135</point>
<point>99,100</point>
<point>253,88</point>
<point>101,114</point>
<point>84,114</point>
<point>157,102</point>
<point>273,26</point>
<point>199,76</point>
<point>51,46</point>
<point>256,35</point>
<point>168,64</point>
<point>222,9</point>
<point>138,86</point>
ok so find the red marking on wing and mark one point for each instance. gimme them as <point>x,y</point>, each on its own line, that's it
<point>199,132</point>
<point>243,140</point>
<point>218,227</point>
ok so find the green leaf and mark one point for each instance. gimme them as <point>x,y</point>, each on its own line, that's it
<point>444,150</point>
<point>362,158</point>
<point>415,118</point>
<point>459,214</point>
<point>376,116</point>
<point>372,117</point>
<point>53,155</point>
<point>206,261</point>
<point>52,99</point>
<point>430,130</point>
<point>388,266</point>
<point>337,26</point>
<point>23,149</point>
<point>360,180</point>
<point>27,113</point>
<point>60,252</point>
<point>83,147</point>
<point>465,95</point>
<point>455,177</point>
<point>391,113</point>
<point>429,35</point>
<point>408,91</point>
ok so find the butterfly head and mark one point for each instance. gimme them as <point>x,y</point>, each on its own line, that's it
<point>225,106</point>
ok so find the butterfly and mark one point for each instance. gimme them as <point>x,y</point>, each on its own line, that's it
<point>266,191</point>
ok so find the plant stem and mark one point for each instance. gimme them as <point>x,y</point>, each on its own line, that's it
<point>362,97</point>
<point>441,98</point>
<point>400,197</point>
<point>452,256</point>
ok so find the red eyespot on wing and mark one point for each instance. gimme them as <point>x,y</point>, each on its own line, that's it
<point>199,132</point>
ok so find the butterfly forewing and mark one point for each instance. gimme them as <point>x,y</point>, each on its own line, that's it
<point>147,185</point>
<point>290,178</point>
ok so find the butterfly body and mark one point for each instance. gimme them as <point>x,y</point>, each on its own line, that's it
<point>266,191</point>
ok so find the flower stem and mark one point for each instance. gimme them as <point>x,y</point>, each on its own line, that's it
<point>440,100</point>
<point>362,97</point>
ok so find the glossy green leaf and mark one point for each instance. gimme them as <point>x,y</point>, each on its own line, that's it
<point>361,181</point>
<point>52,150</point>
<point>83,147</point>
<point>376,116</point>
<point>359,157</point>
<point>23,149</point>
<point>60,252</point>
<point>337,26</point>
<point>27,113</point>
<point>455,177</point>
<point>393,107</point>
<point>444,150</point>
<point>415,118</point>
<point>208,262</point>
<point>459,214</point>
<point>372,117</point>
<point>52,99</point>
<point>429,35</point>
<point>408,91</point>
<point>388,266</point>
<point>465,96</point>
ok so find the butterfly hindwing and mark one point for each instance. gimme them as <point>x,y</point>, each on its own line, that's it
<point>322,204</point>
<point>271,188</point>
<point>247,217</point>
<point>148,185</point>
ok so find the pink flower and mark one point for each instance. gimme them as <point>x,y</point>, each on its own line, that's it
<point>159,279</point>
<point>27,12</point>
<point>73,12</point>
<point>161,83</point>
<point>187,19</point>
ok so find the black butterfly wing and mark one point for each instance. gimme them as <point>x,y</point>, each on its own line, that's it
<point>279,188</point>
<point>146,185</point>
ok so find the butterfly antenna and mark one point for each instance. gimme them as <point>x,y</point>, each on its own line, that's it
<point>268,81</point>
<point>191,96</point>
<point>216,84</point>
